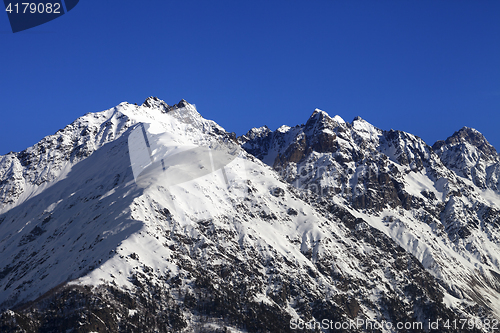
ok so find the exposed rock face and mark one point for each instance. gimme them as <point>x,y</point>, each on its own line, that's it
<point>156,103</point>
<point>182,104</point>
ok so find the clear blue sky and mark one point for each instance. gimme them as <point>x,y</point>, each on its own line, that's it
<point>426,67</point>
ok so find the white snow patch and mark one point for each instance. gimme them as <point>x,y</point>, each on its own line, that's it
<point>420,181</point>
<point>339,119</point>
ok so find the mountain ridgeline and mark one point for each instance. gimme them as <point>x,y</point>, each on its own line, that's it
<point>328,226</point>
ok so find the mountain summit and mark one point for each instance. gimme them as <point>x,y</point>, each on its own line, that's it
<point>151,218</point>
<point>470,136</point>
<point>471,156</point>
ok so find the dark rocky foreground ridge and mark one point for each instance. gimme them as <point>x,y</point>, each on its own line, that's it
<point>346,222</point>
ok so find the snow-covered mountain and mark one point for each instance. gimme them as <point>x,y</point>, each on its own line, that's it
<point>439,203</point>
<point>332,223</point>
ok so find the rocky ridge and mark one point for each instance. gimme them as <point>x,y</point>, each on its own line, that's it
<point>444,198</point>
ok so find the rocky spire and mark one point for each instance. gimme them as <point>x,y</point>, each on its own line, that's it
<point>156,103</point>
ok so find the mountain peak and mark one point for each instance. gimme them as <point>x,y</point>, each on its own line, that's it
<point>318,123</point>
<point>319,113</point>
<point>155,103</point>
<point>471,136</point>
<point>182,104</point>
<point>183,110</point>
<point>365,129</point>
<point>257,132</point>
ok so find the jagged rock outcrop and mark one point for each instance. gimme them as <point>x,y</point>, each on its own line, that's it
<point>156,103</point>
